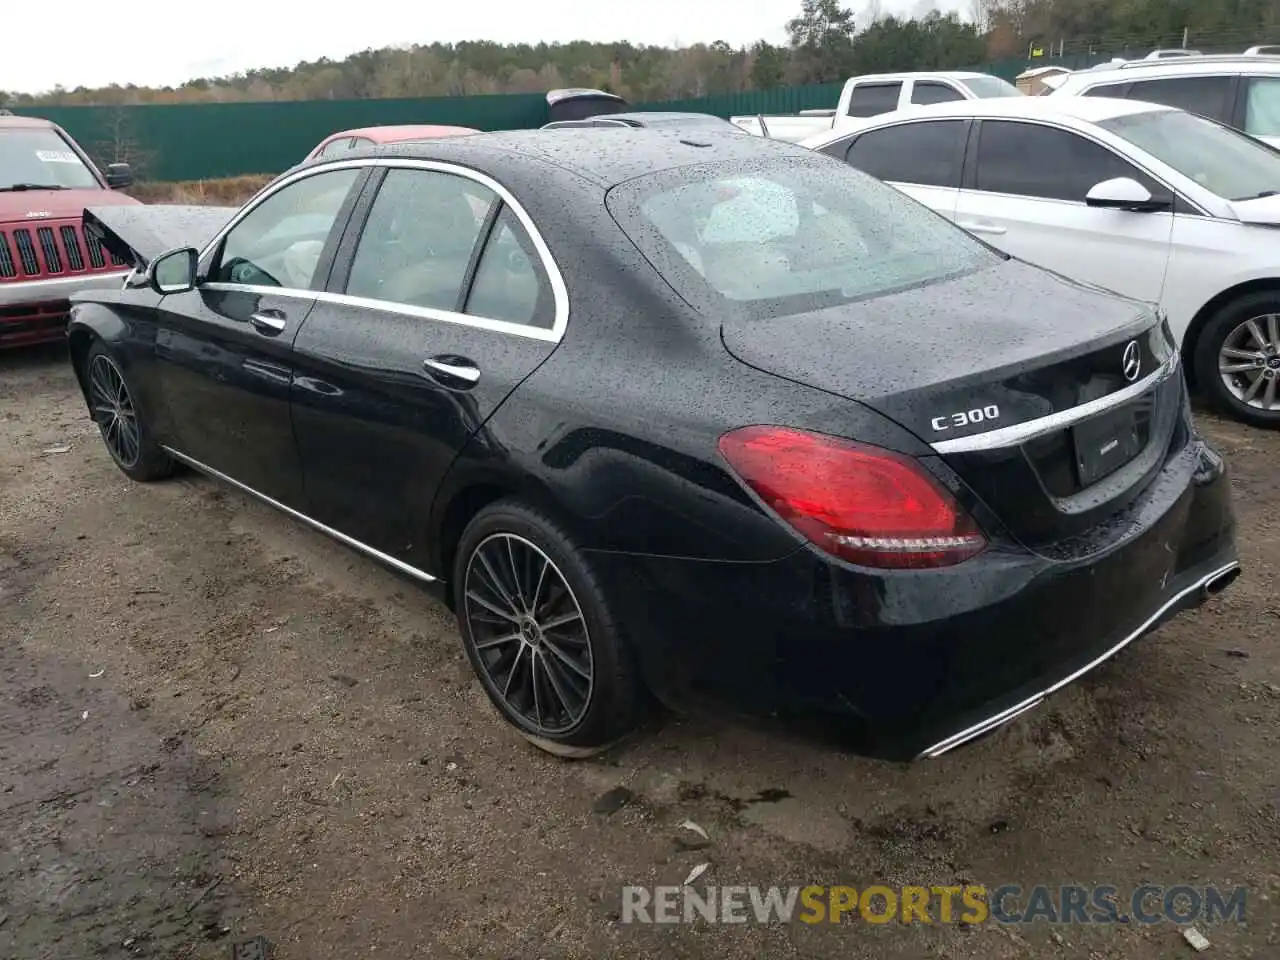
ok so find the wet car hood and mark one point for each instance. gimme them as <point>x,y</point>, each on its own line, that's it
<point>139,234</point>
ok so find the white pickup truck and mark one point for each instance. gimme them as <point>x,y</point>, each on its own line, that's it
<point>875,93</point>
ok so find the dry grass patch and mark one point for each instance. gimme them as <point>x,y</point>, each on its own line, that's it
<point>224,192</point>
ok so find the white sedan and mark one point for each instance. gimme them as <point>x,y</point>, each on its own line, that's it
<point>1149,201</point>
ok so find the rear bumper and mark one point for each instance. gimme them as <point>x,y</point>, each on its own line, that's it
<point>915,663</point>
<point>36,311</point>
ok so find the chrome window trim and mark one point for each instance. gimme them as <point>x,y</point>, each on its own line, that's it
<point>388,306</point>
<point>559,291</point>
<point>1020,433</point>
<point>328,531</point>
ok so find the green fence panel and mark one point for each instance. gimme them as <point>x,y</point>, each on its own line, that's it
<point>204,141</point>
<point>209,140</point>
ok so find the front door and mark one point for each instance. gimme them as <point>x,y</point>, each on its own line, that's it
<point>224,349</point>
<point>1024,192</point>
<point>438,307</point>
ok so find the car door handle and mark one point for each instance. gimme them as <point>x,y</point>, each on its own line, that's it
<point>268,321</point>
<point>981,226</point>
<point>456,368</point>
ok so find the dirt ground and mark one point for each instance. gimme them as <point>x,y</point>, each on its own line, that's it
<point>217,725</point>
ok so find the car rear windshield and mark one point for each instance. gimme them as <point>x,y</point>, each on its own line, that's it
<point>39,157</point>
<point>782,238</point>
<point>1230,164</point>
<point>984,87</point>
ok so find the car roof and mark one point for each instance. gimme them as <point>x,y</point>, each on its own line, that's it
<point>603,156</point>
<point>392,133</point>
<point>922,74</point>
<point>658,115</point>
<point>1088,109</point>
<point>1176,67</point>
<point>16,121</point>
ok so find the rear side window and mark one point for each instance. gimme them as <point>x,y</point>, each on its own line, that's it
<point>1207,96</point>
<point>930,91</point>
<point>1262,107</point>
<point>923,153</point>
<point>767,240</point>
<point>417,243</point>
<point>1108,90</point>
<point>509,282</point>
<point>1030,160</point>
<point>870,99</point>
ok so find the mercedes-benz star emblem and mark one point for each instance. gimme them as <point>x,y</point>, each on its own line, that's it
<point>1131,364</point>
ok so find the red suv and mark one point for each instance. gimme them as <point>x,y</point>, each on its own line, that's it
<point>46,181</point>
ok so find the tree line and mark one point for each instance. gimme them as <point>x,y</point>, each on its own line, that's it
<point>827,42</point>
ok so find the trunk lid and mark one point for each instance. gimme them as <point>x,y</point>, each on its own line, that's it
<point>974,366</point>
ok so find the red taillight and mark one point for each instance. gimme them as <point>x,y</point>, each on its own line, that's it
<point>861,503</point>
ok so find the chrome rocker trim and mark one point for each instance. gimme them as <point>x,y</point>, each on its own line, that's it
<point>364,548</point>
<point>1004,716</point>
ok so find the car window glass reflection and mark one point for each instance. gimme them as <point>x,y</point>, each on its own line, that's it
<point>509,283</point>
<point>419,237</point>
<point>279,243</point>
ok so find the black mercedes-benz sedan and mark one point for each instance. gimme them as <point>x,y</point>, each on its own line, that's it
<point>713,419</point>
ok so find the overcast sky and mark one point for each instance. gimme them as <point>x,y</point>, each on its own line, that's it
<point>86,43</point>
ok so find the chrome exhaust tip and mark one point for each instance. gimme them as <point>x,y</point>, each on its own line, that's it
<point>1219,582</point>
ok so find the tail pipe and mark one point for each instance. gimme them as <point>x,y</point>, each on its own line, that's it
<point>1217,584</point>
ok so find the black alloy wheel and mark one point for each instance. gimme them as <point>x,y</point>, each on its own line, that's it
<point>124,428</point>
<point>539,630</point>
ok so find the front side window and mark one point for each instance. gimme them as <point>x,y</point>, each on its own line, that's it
<point>1207,96</point>
<point>930,91</point>
<point>40,157</point>
<point>279,242</point>
<point>1262,106</point>
<point>1030,160</point>
<point>1223,161</point>
<point>923,153</point>
<point>871,99</point>
<point>419,238</point>
<point>769,240</point>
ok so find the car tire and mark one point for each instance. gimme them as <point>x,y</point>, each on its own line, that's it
<point>123,425</point>
<point>1228,329</point>
<point>539,631</point>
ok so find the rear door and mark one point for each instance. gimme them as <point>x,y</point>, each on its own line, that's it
<point>922,158</point>
<point>441,302</point>
<point>1024,191</point>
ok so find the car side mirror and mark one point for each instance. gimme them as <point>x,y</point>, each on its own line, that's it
<point>119,175</point>
<point>1124,193</point>
<point>174,271</point>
